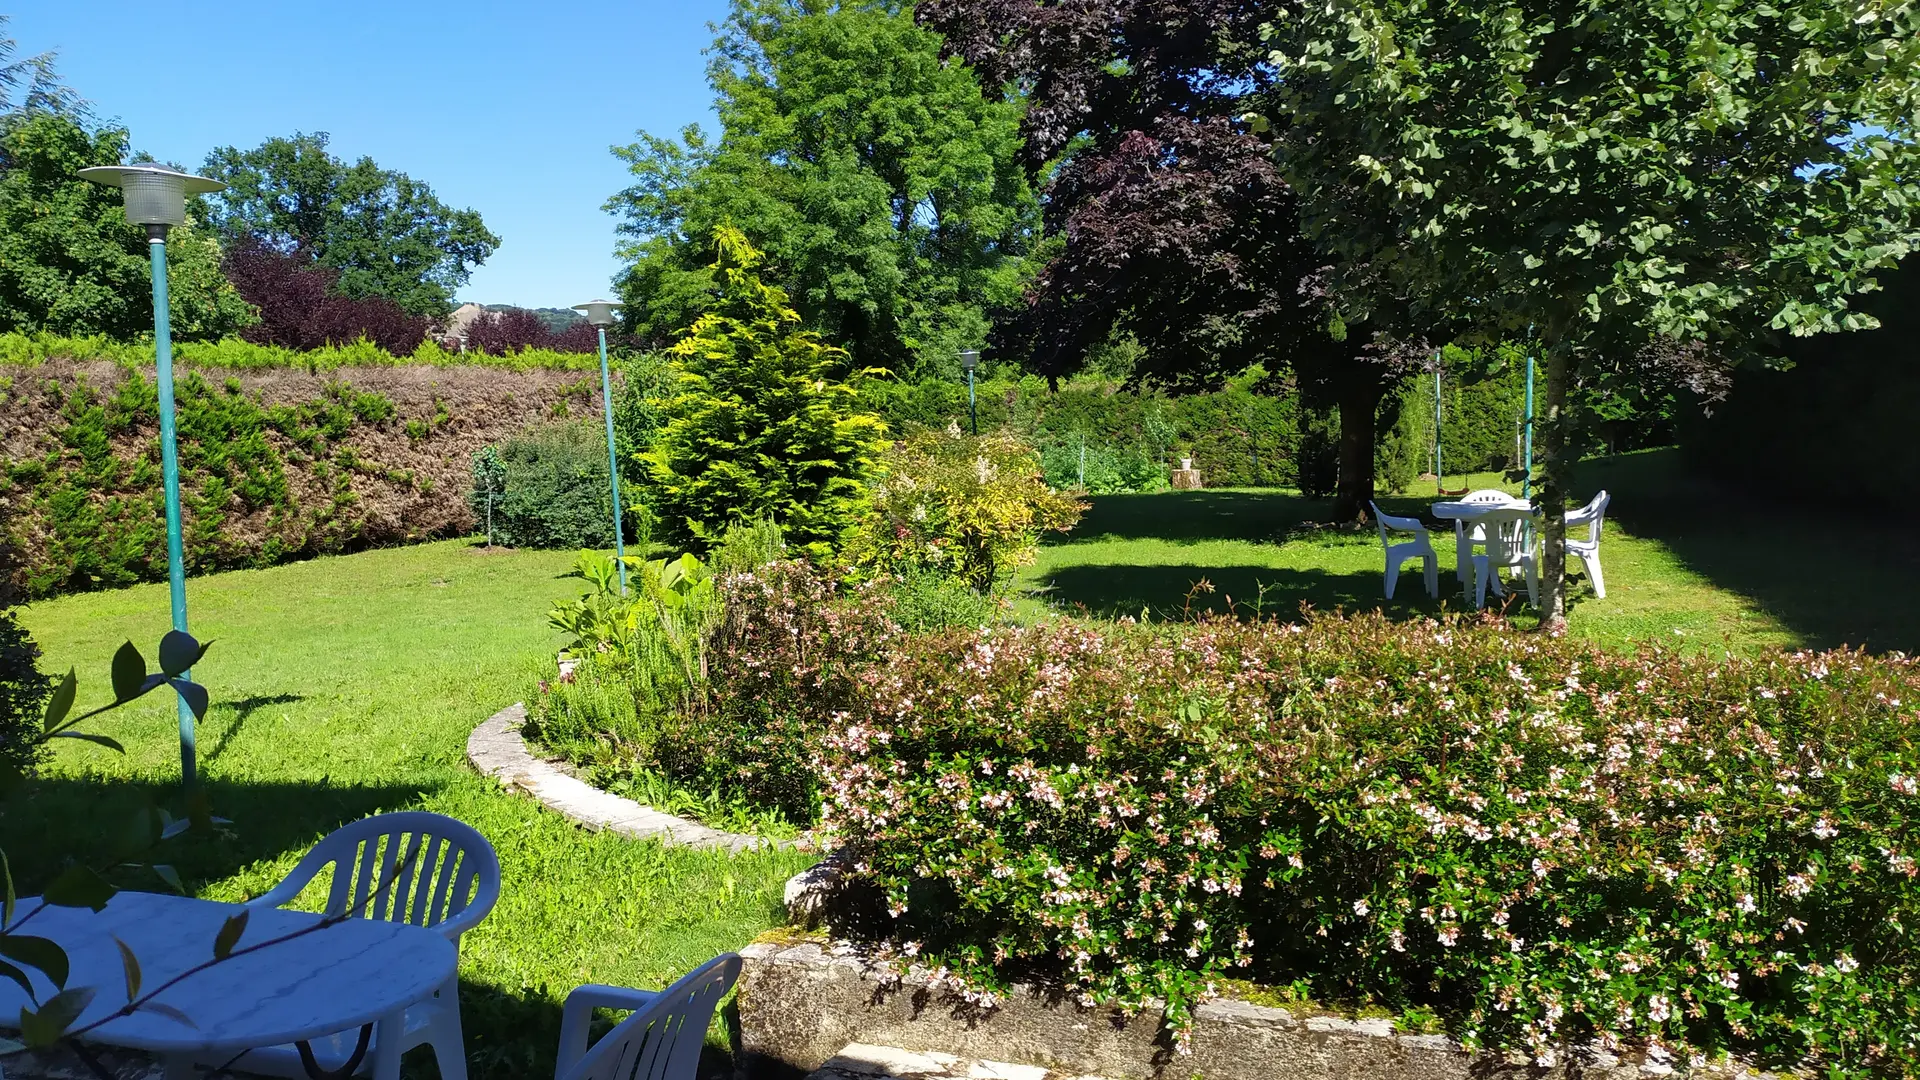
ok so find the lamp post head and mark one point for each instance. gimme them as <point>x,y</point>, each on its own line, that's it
<point>969,359</point>
<point>599,312</point>
<point>154,196</point>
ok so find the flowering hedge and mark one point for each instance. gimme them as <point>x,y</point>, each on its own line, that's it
<point>1543,843</point>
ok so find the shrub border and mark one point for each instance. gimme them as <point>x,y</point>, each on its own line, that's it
<point>496,749</point>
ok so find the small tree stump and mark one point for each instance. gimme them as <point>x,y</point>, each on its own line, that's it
<point>1186,479</point>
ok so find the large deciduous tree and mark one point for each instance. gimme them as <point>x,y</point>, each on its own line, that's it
<point>385,233</point>
<point>1178,228</point>
<point>69,261</point>
<point>883,186</point>
<point>1624,177</point>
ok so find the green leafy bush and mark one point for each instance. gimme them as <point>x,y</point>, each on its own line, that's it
<point>735,697</point>
<point>1542,843</point>
<point>23,695</point>
<point>548,489</point>
<point>971,507</point>
<point>761,422</point>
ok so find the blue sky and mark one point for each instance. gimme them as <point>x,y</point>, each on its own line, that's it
<point>505,107</point>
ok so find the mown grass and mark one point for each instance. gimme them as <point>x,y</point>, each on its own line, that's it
<point>345,687</point>
<point>1685,564</point>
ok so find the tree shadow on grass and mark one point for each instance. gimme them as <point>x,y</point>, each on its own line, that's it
<point>241,710</point>
<point>1112,590</point>
<point>1829,572</point>
<point>1198,515</point>
<point>91,819</point>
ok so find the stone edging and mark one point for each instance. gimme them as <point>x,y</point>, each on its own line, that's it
<point>800,1004</point>
<point>497,750</point>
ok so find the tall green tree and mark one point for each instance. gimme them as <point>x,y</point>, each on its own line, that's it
<point>69,261</point>
<point>1622,177</point>
<point>884,188</point>
<point>386,233</point>
<point>761,420</point>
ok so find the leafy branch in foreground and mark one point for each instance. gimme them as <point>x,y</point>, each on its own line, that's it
<point>81,885</point>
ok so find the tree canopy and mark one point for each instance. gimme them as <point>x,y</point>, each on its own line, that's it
<point>885,190</point>
<point>69,261</point>
<point>1621,176</point>
<point>385,233</point>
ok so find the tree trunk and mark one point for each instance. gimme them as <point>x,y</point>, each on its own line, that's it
<point>1359,404</point>
<point>1556,478</point>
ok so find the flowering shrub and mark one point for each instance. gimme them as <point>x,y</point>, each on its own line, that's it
<point>1543,843</point>
<point>727,682</point>
<point>972,507</point>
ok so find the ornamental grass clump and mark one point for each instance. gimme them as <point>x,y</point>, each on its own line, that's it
<point>1545,844</point>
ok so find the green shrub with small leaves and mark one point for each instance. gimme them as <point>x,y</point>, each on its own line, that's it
<point>762,421</point>
<point>1541,843</point>
<point>546,488</point>
<point>970,507</point>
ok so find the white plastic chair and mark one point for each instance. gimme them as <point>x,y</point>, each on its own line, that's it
<point>1587,551</point>
<point>1420,547</point>
<point>1466,534</point>
<point>449,881</point>
<point>1509,546</point>
<point>660,1041</point>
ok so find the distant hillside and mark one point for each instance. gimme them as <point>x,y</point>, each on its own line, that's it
<point>557,319</point>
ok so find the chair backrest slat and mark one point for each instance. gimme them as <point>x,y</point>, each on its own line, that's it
<point>412,866</point>
<point>662,1041</point>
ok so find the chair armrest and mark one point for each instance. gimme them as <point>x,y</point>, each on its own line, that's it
<point>1404,524</point>
<point>577,1016</point>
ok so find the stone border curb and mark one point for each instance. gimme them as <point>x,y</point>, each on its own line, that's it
<point>800,1004</point>
<point>497,750</point>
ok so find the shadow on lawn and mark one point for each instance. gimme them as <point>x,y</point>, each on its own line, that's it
<point>1828,572</point>
<point>1111,590</point>
<point>241,710</point>
<point>1197,515</point>
<point>91,819</point>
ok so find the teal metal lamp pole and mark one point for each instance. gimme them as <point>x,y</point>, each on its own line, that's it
<point>156,199</point>
<point>600,316</point>
<point>970,359</point>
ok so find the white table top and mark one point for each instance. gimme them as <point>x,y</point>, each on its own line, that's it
<point>327,981</point>
<point>1466,511</point>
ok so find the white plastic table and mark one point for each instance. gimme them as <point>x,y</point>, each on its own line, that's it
<point>1463,515</point>
<point>334,979</point>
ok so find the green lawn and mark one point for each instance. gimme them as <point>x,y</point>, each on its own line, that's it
<point>1685,564</point>
<point>345,687</point>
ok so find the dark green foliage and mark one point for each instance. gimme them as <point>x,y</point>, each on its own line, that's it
<point>386,233</point>
<point>1837,426</point>
<point>23,695</point>
<point>552,489</point>
<point>69,261</point>
<point>883,187</point>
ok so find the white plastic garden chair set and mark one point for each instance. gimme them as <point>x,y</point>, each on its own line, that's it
<point>1494,536</point>
<point>430,871</point>
<point>660,1041</point>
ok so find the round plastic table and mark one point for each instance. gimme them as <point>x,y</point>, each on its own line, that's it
<point>333,979</point>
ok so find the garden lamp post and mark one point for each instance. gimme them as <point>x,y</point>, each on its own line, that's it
<point>970,359</point>
<point>156,200</point>
<point>600,316</point>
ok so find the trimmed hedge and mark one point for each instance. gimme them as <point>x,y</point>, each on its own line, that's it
<point>1536,842</point>
<point>29,350</point>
